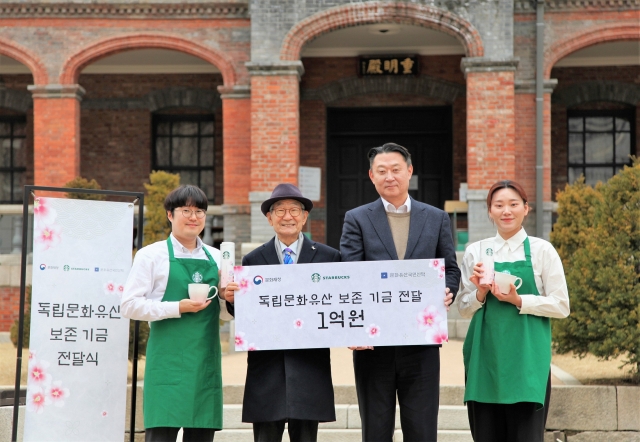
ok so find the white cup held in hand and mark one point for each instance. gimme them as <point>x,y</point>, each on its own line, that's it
<point>504,281</point>
<point>199,292</point>
<point>486,251</point>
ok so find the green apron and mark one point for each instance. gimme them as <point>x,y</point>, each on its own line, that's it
<point>507,355</point>
<point>183,381</point>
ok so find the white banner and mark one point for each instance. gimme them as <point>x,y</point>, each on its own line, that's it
<point>77,380</point>
<point>340,304</point>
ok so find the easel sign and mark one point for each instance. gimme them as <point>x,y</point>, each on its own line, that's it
<point>78,349</point>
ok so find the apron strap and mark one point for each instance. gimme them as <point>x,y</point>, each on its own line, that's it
<point>208,254</point>
<point>170,247</point>
<point>527,249</point>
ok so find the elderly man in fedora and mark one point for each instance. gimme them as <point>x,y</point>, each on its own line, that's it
<point>291,386</point>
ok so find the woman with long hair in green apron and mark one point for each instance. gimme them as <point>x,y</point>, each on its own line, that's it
<point>507,350</point>
<point>183,382</point>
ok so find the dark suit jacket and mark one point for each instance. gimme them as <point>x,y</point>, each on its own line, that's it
<point>292,384</point>
<point>366,236</point>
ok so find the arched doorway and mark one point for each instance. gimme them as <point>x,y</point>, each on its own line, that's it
<point>595,109</point>
<point>344,113</point>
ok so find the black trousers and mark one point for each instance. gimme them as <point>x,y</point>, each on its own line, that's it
<point>169,434</point>
<point>519,422</point>
<point>411,371</point>
<point>299,431</point>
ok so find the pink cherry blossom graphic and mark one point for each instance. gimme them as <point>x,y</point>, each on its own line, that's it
<point>439,334</point>
<point>32,356</point>
<point>252,347</point>
<point>36,400</point>
<point>47,236</point>
<point>428,318</point>
<point>109,288</point>
<point>104,414</point>
<point>120,289</point>
<point>43,213</point>
<point>57,393</point>
<point>435,263</point>
<point>298,323</point>
<point>442,269</point>
<point>241,342</point>
<point>38,373</point>
<point>244,280</point>
<point>373,331</point>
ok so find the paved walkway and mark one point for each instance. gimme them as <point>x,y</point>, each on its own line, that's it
<point>234,366</point>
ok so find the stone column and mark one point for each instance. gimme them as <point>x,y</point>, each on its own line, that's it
<point>275,134</point>
<point>525,146</point>
<point>491,152</point>
<point>56,128</point>
<point>236,134</point>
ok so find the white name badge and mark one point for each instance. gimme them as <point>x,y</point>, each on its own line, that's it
<point>344,304</point>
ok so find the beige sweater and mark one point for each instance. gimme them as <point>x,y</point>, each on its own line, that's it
<point>399,224</point>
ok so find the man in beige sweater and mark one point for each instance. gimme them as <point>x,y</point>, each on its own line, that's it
<point>398,227</point>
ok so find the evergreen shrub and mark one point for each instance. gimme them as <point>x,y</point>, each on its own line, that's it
<point>598,238</point>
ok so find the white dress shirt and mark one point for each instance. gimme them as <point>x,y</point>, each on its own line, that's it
<point>548,272</point>
<point>295,248</point>
<point>404,208</point>
<point>147,281</point>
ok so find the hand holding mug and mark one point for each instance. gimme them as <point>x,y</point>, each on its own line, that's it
<point>505,282</point>
<point>199,292</point>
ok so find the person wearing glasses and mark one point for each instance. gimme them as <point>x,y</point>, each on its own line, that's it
<point>291,386</point>
<point>183,382</point>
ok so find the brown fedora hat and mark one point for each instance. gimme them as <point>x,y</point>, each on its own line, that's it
<point>286,192</point>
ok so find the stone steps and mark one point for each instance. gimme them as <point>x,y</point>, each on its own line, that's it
<point>450,417</point>
<point>340,435</point>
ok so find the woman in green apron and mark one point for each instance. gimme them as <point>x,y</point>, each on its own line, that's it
<point>507,350</point>
<point>183,383</point>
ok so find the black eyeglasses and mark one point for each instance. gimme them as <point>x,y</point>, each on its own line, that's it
<point>188,212</point>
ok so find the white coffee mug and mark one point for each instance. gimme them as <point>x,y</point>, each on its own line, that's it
<point>504,281</point>
<point>199,292</point>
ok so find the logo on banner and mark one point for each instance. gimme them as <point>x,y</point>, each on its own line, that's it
<point>315,277</point>
<point>197,277</point>
<point>96,269</point>
<point>257,280</point>
<point>66,268</point>
<point>226,255</point>
<point>43,266</point>
<point>384,275</point>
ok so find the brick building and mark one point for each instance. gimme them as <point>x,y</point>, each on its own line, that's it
<point>236,94</point>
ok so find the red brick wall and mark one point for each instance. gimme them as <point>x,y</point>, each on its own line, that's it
<point>275,135</point>
<point>525,144</point>
<point>139,85</point>
<point>116,144</point>
<point>569,76</point>
<point>491,152</point>
<point>237,150</point>
<point>9,306</point>
<point>56,128</point>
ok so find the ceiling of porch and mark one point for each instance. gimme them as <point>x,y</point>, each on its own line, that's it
<point>382,39</point>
